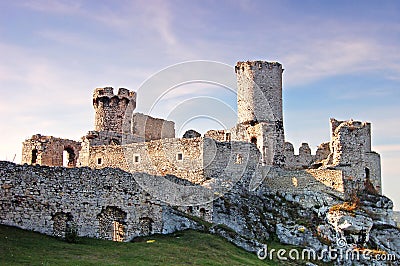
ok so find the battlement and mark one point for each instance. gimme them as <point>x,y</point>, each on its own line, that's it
<point>109,93</point>
<point>256,65</point>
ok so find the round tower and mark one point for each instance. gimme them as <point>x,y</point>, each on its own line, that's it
<point>259,100</point>
<point>259,91</point>
<point>110,109</point>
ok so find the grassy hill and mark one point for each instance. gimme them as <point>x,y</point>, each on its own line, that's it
<point>20,247</point>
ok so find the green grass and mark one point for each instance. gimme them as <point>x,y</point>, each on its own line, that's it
<point>20,247</point>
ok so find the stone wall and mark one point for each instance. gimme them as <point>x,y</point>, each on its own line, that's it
<point>149,128</point>
<point>302,160</point>
<point>350,151</point>
<point>103,203</point>
<point>45,199</point>
<point>218,135</point>
<point>196,159</point>
<point>50,151</point>
<point>306,180</point>
<point>228,161</point>
<point>267,136</point>
<point>373,170</point>
<point>350,141</point>
<point>179,157</point>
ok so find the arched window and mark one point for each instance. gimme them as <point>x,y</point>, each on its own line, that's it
<point>68,157</point>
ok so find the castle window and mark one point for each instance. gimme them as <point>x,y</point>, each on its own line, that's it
<point>367,173</point>
<point>239,159</point>
<point>227,136</point>
<point>34,156</point>
<point>136,158</point>
<point>99,161</point>
<point>68,157</point>
<point>254,140</point>
<point>179,156</point>
<point>202,213</point>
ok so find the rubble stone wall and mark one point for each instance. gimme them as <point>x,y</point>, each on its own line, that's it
<point>105,203</point>
<point>373,168</point>
<point>45,199</point>
<point>229,161</point>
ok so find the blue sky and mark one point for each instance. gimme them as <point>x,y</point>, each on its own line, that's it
<point>341,59</point>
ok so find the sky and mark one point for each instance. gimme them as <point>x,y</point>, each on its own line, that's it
<point>341,60</point>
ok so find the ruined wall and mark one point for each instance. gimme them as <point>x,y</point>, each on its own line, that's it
<point>351,152</point>
<point>179,157</point>
<point>218,135</point>
<point>350,141</point>
<point>306,180</point>
<point>111,111</point>
<point>46,199</point>
<point>48,150</point>
<point>103,203</point>
<point>268,139</point>
<point>98,138</point>
<point>373,170</point>
<point>196,159</point>
<point>322,152</point>
<point>101,138</point>
<point>149,128</point>
<point>228,161</point>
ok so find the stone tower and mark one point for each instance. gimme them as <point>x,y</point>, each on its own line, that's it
<point>259,97</point>
<point>110,109</point>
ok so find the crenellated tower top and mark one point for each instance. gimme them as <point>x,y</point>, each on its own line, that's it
<point>110,109</point>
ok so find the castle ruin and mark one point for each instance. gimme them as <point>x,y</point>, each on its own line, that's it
<point>155,149</point>
<point>101,195</point>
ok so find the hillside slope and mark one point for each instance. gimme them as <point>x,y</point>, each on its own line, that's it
<point>20,247</point>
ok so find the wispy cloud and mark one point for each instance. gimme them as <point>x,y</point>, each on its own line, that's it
<point>326,58</point>
<point>58,6</point>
